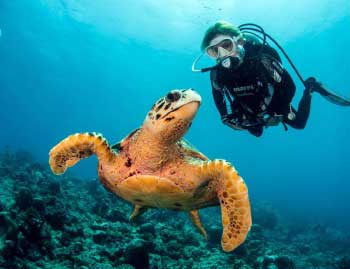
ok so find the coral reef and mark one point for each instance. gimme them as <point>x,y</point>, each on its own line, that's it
<point>66,222</point>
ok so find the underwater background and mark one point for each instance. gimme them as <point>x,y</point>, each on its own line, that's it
<point>69,66</point>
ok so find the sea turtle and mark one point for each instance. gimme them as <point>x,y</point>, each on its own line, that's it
<point>154,167</point>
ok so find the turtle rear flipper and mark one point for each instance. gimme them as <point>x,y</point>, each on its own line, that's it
<point>76,147</point>
<point>235,207</point>
<point>194,215</point>
<point>138,210</point>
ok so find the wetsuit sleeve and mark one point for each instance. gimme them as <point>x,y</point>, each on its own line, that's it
<point>218,94</point>
<point>272,65</point>
<point>220,102</point>
<point>271,52</point>
<point>280,79</point>
<point>284,93</point>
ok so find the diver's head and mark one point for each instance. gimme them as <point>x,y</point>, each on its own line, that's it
<point>224,43</point>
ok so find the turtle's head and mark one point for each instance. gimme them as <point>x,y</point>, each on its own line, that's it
<point>171,116</point>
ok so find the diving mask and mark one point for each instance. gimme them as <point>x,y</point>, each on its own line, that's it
<point>225,50</point>
<point>221,46</point>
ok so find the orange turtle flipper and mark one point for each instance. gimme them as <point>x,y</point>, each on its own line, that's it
<point>76,147</point>
<point>235,207</point>
<point>138,210</point>
<point>194,215</point>
<point>192,151</point>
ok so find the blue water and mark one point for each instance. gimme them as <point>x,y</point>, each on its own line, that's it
<point>76,66</point>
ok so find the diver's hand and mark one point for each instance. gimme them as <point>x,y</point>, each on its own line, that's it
<point>274,120</point>
<point>225,118</point>
<point>311,83</point>
<point>230,121</point>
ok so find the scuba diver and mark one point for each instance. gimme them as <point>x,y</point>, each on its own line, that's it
<point>251,88</point>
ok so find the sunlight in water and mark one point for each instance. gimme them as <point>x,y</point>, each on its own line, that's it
<point>171,22</point>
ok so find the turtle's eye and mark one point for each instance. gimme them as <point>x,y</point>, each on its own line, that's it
<point>173,96</point>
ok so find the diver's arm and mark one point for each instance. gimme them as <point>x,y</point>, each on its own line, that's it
<point>220,102</point>
<point>284,87</point>
<point>227,119</point>
<point>218,94</point>
<point>272,68</point>
<point>272,53</point>
<point>287,87</point>
<point>284,93</point>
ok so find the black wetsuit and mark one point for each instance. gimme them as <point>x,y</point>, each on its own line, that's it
<point>258,90</point>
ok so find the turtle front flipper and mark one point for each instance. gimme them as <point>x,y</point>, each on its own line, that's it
<point>235,207</point>
<point>76,147</point>
<point>190,150</point>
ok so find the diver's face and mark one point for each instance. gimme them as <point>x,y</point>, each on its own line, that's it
<point>222,46</point>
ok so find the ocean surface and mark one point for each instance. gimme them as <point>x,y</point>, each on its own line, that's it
<point>69,66</point>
